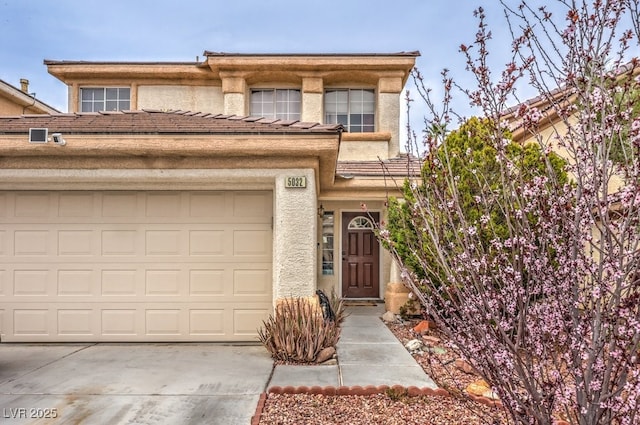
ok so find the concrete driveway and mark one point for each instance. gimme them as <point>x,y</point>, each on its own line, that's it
<point>131,383</point>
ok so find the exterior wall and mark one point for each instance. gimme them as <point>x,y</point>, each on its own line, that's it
<point>234,104</point>
<point>26,105</point>
<point>389,120</point>
<point>8,107</point>
<point>312,107</point>
<point>295,223</point>
<point>186,98</point>
<point>363,150</point>
<point>312,99</point>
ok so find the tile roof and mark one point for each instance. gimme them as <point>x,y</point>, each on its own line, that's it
<point>403,165</point>
<point>158,122</point>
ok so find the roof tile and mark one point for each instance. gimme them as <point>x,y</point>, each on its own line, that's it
<point>156,122</point>
<point>401,166</point>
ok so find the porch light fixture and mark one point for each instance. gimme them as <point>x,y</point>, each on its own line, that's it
<point>320,211</point>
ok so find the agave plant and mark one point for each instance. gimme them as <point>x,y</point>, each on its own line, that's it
<point>297,331</point>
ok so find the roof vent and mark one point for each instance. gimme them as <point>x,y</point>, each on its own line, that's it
<point>38,135</point>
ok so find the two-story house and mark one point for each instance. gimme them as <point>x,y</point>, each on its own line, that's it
<point>180,201</point>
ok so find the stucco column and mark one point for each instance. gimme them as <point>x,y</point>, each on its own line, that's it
<point>73,98</point>
<point>234,89</point>
<point>389,89</point>
<point>295,236</point>
<point>312,95</point>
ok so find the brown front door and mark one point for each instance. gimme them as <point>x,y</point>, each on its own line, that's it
<point>360,256</point>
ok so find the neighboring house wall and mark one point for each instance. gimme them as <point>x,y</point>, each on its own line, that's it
<point>18,101</point>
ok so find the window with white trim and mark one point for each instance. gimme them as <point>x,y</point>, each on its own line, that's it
<point>353,108</point>
<point>94,99</point>
<point>327,243</point>
<point>284,104</point>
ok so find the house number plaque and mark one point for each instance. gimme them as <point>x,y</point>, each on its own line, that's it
<point>296,181</point>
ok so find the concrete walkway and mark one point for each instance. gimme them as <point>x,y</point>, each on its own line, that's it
<point>151,384</point>
<point>368,354</point>
<point>111,383</point>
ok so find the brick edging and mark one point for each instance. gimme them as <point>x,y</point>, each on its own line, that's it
<point>411,391</point>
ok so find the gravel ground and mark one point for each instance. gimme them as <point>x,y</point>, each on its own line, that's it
<point>368,410</point>
<point>388,408</point>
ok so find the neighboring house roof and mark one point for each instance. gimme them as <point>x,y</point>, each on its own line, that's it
<point>159,122</point>
<point>548,104</point>
<point>26,101</point>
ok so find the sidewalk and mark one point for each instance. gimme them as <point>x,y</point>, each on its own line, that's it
<point>368,354</point>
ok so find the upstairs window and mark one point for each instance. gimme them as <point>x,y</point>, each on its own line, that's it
<point>283,104</point>
<point>96,99</point>
<point>353,108</point>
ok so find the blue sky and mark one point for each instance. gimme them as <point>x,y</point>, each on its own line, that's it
<point>168,30</point>
<point>161,30</point>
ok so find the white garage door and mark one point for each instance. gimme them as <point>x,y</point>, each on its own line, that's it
<point>134,266</point>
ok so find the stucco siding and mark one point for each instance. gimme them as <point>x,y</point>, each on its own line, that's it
<point>358,150</point>
<point>388,120</point>
<point>312,107</point>
<point>295,224</point>
<point>234,104</point>
<point>187,98</point>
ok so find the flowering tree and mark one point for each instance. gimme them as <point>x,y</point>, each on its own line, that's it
<point>546,306</point>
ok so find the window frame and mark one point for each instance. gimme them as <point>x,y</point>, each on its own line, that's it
<point>106,98</point>
<point>287,115</point>
<point>327,257</point>
<point>354,109</point>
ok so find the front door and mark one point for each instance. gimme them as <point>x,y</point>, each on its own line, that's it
<point>360,256</point>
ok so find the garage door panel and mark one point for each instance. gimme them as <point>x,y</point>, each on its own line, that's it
<point>76,283</point>
<point>136,322</point>
<point>32,283</point>
<point>252,204</point>
<point>4,250</point>
<point>32,204</point>
<point>76,322</point>
<point>207,242</point>
<point>134,266</point>
<point>77,205</point>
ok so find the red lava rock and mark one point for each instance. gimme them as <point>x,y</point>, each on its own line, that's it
<point>431,340</point>
<point>421,327</point>
<point>464,366</point>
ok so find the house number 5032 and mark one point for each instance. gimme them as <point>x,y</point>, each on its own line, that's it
<point>300,181</point>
